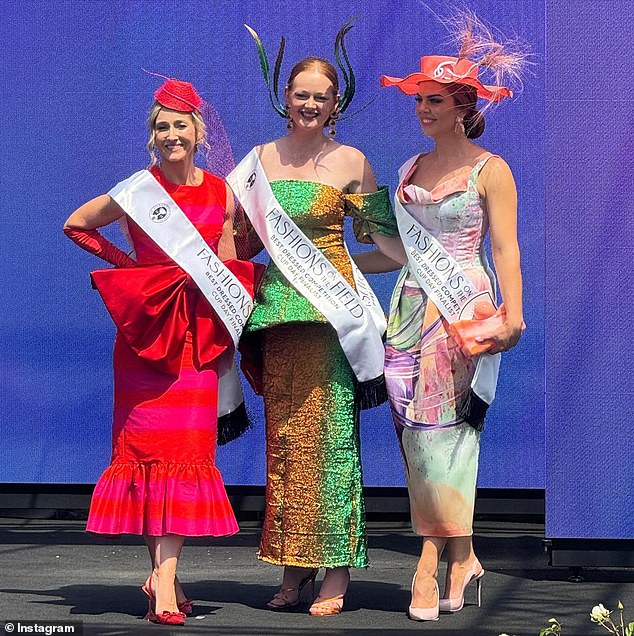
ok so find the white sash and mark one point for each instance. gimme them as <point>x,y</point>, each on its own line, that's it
<point>356,316</point>
<point>445,284</point>
<point>151,207</point>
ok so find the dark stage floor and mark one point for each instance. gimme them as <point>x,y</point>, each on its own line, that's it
<point>52,570</point>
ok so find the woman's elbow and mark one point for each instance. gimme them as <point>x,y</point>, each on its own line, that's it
<point>68,224</point>
<point>73,222</point>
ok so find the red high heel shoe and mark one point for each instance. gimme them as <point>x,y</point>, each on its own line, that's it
<point>186,607</point>
<point>167,618</point>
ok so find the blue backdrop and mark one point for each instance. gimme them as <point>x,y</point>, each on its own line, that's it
<point>589,247</point>
<point>74,104</point>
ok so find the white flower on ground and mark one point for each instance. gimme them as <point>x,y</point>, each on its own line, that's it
<point>599,613</point>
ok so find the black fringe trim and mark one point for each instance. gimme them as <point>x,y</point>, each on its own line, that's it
<point>474,411</point>
<point>233,425</point>
<point>371,393</point>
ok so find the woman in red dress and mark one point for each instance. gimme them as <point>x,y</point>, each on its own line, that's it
<point>162,482</point>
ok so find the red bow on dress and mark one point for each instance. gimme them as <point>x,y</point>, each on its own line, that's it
<point>154,306</point>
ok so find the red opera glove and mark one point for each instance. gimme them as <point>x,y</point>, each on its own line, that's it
<point>486,320</point>
<point>95,243</point>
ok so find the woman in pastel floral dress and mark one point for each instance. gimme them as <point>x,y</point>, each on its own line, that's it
<point>458,192</point>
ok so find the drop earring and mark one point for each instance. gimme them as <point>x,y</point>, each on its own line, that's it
<point>459,127</point>
<point>332,123</point>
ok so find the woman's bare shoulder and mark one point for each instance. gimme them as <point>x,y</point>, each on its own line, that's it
<point>350,153</point>
<point>496,167</point>
<point>350,161</point>
<point>267,147</point>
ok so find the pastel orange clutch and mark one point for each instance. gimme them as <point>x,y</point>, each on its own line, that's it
<point>486,321</point>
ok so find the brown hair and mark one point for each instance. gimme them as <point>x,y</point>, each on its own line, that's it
<point>466,98</point>
<point>199,127</point>
<point>317,64</point>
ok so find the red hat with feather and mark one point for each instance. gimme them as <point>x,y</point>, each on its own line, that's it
<point>178,95</point>
<point>447,70</point>
<point>479,50</point>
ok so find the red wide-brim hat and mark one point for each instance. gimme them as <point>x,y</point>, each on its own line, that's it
<point>447,70</point>
<point>178,95</point>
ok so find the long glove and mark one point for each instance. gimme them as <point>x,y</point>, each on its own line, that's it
<point>95,243</point>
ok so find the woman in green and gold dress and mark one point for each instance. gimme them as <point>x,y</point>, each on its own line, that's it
<point>315,514</point>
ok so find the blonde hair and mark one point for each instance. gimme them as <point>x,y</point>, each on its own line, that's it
<point>199,127</point>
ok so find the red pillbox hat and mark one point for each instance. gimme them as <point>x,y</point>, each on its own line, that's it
<point>177,95</point>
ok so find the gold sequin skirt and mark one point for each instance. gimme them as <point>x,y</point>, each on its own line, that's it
<point>315,515</point>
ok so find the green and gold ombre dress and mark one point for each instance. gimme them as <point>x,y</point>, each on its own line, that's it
<point>314,505</point>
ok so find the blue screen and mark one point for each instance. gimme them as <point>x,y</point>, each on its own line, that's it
<point>75,102</point>
<point>589,246</point>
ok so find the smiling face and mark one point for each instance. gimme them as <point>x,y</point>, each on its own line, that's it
<point>436,109</point>
<point>311,99</point>
<point>175,135</point>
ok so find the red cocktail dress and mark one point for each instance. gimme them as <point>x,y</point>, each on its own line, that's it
<point>162,478</point>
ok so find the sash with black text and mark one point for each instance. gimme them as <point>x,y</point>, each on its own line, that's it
<point>151,207</point>
<point>355,314</point>
<point>449,288</point>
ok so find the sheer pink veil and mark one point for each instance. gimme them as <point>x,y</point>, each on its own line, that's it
<point>219,160</point>
<point>219,154</point>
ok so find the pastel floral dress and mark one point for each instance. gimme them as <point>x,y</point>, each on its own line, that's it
<point>428,378</point>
